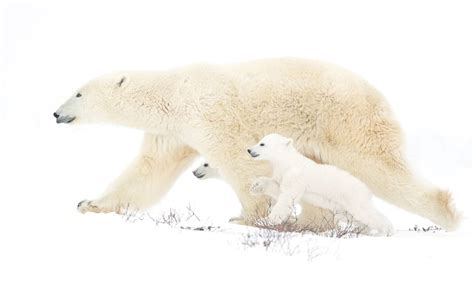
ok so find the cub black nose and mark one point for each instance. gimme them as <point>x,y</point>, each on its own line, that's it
<point>248,150</point>
<point>56,115</point>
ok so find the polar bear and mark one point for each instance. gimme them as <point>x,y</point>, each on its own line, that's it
<point>271,188</point>
<point>296,178</point>
<point>218,110</point>
<point>205,171</point>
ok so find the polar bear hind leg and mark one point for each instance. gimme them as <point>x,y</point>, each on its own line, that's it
<point>389,178</point>
<point>368,215</point>
<point>315,217</point>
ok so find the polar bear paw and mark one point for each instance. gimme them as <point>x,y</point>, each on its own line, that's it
<point>263,222</point>
<point>87,206</point>
<point>237,220</point>
<point>387,231</point>
<point>271,220</point>
<point>241,220</point>
<point>93,206</point>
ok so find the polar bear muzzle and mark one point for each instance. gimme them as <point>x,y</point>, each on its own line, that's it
<point>198,174</point>
<point>63,119</point>
<point>253,153</point>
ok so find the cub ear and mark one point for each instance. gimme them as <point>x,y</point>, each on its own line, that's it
<point>121,81</point>
<point>289,142</point>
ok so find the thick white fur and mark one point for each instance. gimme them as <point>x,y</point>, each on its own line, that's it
<point>217,111</point>
<point>296,178</point>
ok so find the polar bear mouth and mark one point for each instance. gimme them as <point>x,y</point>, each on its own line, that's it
<point>65,119</point>
<point>198,175</point>
<point>254,155</point>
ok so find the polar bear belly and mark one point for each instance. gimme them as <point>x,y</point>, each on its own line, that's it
<point>321,201</point>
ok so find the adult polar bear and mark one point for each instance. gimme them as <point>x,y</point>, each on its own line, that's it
<point>219,111</point>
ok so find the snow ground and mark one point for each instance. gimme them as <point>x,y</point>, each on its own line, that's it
<point>45,169</point>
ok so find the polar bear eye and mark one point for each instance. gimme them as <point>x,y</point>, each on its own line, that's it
<point>206,165</point>
<point>78,95</point>
<point>262,144</point>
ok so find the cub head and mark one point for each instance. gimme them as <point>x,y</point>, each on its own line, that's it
<point>270,146</point>
<point>205,171</point>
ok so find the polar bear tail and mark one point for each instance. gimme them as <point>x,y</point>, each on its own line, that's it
<point>425,200</point>
<point>446,203</point>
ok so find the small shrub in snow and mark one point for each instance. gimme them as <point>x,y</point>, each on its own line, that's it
<point>432,229</point>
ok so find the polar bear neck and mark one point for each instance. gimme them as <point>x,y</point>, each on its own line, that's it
<point>153,102</point>
<point>283,161</point>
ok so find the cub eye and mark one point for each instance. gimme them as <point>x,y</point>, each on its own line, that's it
<point>78,95</point>
<point>262,144</point>
<point>206,165</point>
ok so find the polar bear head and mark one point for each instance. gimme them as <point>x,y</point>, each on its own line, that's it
<point>270,146</point>
<point>205,171</point>
<point>135,99</point>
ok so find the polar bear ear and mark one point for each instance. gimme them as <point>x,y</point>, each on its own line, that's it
<point>121,81</point>
<point>289,142</point>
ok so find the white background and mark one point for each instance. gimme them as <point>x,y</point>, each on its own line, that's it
<point>418,53</point>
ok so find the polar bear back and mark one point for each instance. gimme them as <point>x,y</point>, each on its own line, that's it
<point>327,181</point>
<point>331,181</point>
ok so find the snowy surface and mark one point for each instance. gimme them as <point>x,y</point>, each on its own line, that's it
<point>50,49</point>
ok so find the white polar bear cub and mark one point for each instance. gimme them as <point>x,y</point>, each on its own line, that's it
<point>296,178</point>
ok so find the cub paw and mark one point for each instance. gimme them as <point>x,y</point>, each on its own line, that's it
<point>257,187</point>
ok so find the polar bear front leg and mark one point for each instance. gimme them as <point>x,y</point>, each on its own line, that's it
<point>291,191</point>
<point>240,173</point>
<point>146,180</point>
<point>253,207</point>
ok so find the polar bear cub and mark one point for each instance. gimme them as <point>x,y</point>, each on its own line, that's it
<point>296,178</point>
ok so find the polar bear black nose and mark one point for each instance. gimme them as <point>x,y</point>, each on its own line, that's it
<point>56,115</point>
<point>250,151</point>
